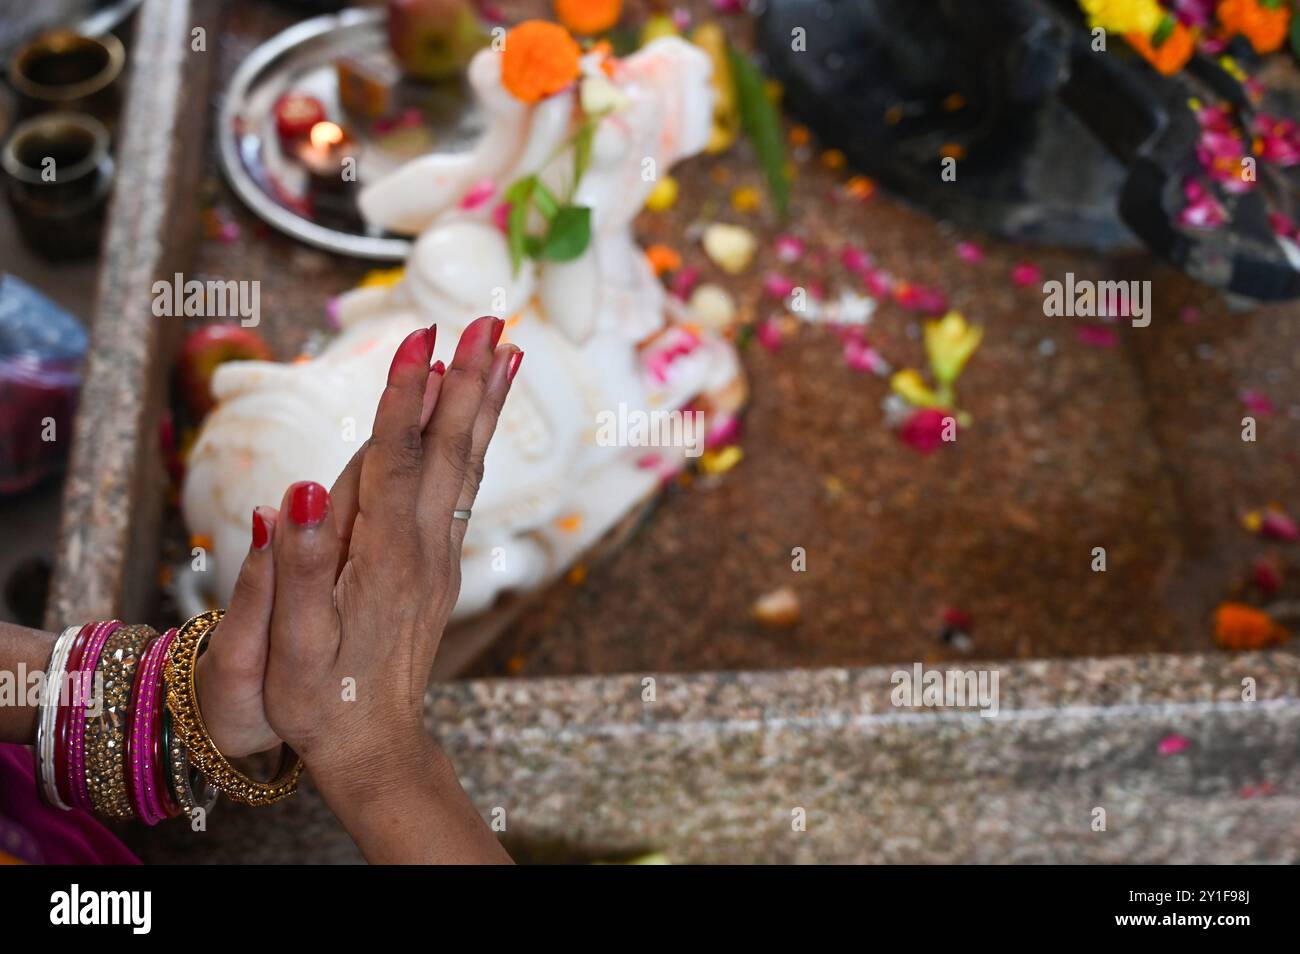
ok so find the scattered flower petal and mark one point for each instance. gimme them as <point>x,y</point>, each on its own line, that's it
<point>663,196</point>
<point>1026,274</point>
<point>1267,577</point>
<point>769,334</point>
<point>479,194</point>
<point>924,430</point>
<point>778,286</point>
<point>788,248</point>
<point>716,462</point>
<point>778,609</point>
<point>1174,743</point>
<point>1257,402</point>
<point>731,247</point>
<point>1098,336</point>
<point>713,306</point>
<point>1240,627</point>
<point>746,199</point>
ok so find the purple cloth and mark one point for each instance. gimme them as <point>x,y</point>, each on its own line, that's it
<point>34,832</point>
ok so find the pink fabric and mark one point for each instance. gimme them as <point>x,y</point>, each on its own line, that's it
<point>33,831</point>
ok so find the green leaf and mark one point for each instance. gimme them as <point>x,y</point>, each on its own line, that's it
<point>522,189</point>
<point>1163,32</point>
<point>569,235</point>
<point>516,221</point>
<point>546,201</point>
<point>762,126</point>
<point>582,149</point>
<point>1295,32</point>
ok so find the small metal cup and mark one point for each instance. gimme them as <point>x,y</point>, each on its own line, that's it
<point>58,172</point>
<point>69,71</point>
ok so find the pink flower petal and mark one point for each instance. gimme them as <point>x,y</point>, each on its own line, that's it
<point>856,260</point>
<point>1267,577</point>
<point>777,286</point>
<point>1257,402</point>
<point>684,281</point>
<point>1278,526</point>
<point>970,252</point>
<point>923,429</point>
<point>860,356</point>
<point>1173,744</point>
<point>1026,274</point>
<point>724,430</point>
<point>501,215</point>
<point>789,248</point>
<point>769,334</point>
<point>478,194</point>
<point>1098,336</point>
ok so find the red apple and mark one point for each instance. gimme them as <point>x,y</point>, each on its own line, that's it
<point>433,39</point>
<point>204,350</point>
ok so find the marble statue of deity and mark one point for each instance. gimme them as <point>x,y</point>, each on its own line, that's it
<point>600,334</point>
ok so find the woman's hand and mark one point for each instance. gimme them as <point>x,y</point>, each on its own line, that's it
<point>232,671</point>
<point>365,581</point>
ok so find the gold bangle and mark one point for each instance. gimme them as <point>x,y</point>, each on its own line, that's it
<point>187,723</point>
<point>106,734</point>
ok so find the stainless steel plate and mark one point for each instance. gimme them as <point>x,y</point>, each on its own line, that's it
<point>440,117</point>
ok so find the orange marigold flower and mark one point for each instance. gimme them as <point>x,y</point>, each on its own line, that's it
<point>586,17</point>
<point>539,60</point>
<point>1171,55</point>
<point>1238,626</point>
<point>1264,25</point>
<point>663,259</point>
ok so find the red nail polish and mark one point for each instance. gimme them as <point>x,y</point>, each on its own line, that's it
<point>261,532</point>
<point>498,326</point>
<point>307,501</point>
<point>415,349</point>
<point>516,359</point>
<point>439,367</point>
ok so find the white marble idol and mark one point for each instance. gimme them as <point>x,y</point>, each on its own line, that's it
<point>598,332</point>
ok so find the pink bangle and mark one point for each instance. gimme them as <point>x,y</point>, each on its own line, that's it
<point>142,734</point>
<point>78,786</point>
<point>161,786</point>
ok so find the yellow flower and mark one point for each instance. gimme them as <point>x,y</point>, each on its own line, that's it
<point>1123,16</point>
<point>382,277</point>
<point>663,196</point>
<point>910,386</point>
<point>949,343</point>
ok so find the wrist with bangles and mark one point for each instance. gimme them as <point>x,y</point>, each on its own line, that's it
<point>120,733</point>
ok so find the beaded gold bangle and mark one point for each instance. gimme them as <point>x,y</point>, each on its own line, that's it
<point>189,729</point>
<point>105,734</point>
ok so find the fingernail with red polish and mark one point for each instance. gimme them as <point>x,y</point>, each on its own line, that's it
<point>516,359</point>
<point>307,501</point>
<point>261,532</point>
<point>439,367</point>
<point>498,326</point>
<point>414,349</point>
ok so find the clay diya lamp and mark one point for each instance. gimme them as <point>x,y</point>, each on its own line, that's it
<point>58,173</point>
<point>64,70</point>
<point>329,157</point>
